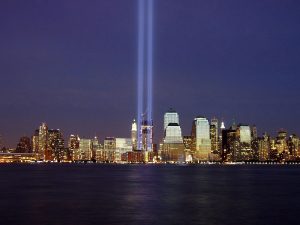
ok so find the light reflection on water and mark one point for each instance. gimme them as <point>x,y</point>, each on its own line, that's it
<point>148,194</point>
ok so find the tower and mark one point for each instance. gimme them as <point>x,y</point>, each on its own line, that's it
<point>172,129</point>
<point>43,142</point>
<point>134,135</point>
<point>201,143</point>
<point>214,135</point>
<point>173,148</point>
<point>144,75</point>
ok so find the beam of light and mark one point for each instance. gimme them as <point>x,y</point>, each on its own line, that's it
<point>149,65</point>
<point>140,69</point>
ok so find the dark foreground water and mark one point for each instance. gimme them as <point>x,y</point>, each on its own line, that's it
<point>147,194</point>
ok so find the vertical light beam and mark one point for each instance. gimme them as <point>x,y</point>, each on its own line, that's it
<point>140,69</point>
<point>149,65</point>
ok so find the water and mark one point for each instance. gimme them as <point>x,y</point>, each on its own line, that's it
<point>148,194</point>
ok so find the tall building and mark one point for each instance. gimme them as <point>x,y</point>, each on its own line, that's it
<point>86,147</point>
<point>73,146</point>
<point>244,151</point>
<point>173,148</point>
<point>293,146</point>
<point>43,153</point>
<point>123,145</point>
<point>171,116</point>
<point>134,135</point>
<point>56,145</point>
<point>173,134</point>
<point>108,154</point>
<point>172,129</point>
<point>146,133</point>
<point>281,142</point>
<point>214,135</point>
<point>264,147</point>
<point>35,142</point>
<point>201,143</point>
<point>96,146</point>
<point>110,143</point>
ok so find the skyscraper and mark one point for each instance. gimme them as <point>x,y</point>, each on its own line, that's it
<point>85,146</point>
<point>74,147</point>
<point>43,153</point>
<point>244,151</point>
<point>134,135</point>
<point>214,135</point>
<point>264,147</point>
<point>172,129</point>
<point>173,148</point>
<point>146,136</point>
<point>56,145</point>
<point>171,116</point>
<point>201,143</point>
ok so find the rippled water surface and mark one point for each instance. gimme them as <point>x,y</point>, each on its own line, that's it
<point>148,194</point>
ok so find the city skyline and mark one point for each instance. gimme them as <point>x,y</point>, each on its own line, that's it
<point>208,142</point>
<point>219,60</point>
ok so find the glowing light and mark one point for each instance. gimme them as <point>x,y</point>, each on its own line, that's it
<point>140,69</point>
<point>149,64</point>
<point>145,71</point>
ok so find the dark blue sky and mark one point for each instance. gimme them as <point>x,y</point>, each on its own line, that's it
<point>73,64</point>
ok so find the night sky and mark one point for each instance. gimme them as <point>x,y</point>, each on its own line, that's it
<point>73,65</point>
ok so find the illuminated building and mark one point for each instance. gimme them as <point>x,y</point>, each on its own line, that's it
<point>172,129</point>
<point>254,143</point>
<point>108,153</point>
<point>56,146</point>
<point>17,157</point>
<point>134,135</point>
<point>236,143</point>
<point>173,148</point>
<point>43,152</point>
<point>146,134</point>
<point>123,145</point>
<point>243,151</point>
<point>214,138</point>
<point>24,145</point>
<point>281,146</point>
<point>274,156</point>
<point>214,135</point>
<point>187,141</point>
<point>171,116</point>
<point>281,142</point>
<point>96,146</point>
<point>35,142</point>
<point>293,146</point>
<point>173,134</point>
<point>201,143</point>
<point>85,148</point>
<point>73,146</point>
<point>110,143</point>
<point>264,147</point>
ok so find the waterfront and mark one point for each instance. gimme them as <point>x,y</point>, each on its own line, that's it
<point>148,194</point>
